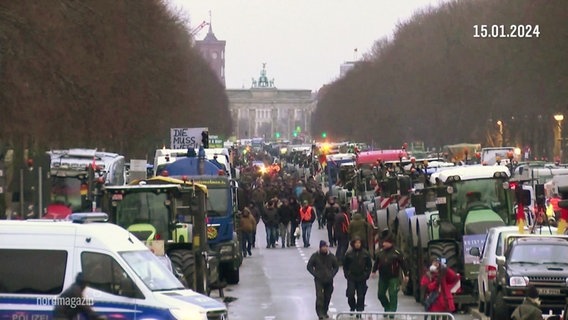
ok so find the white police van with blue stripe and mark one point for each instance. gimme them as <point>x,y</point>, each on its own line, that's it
<point>40,259</point>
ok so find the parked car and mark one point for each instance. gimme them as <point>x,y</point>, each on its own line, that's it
<point>495,245</point>
<point>539,261</point>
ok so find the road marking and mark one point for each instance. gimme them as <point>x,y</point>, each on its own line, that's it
<point>269,317</point>
<point>332,310</point>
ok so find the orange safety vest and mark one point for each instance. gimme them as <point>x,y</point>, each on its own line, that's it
<point>306,215</point>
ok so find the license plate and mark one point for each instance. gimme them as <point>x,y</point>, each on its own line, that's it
<point>547,291</point>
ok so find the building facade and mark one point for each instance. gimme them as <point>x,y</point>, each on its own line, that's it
<point>268,112</point>
<point>213,51</point>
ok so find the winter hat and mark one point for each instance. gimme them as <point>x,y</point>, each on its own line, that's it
<point>532,292</point>
<point>323,244</point>
<point>389,238</point>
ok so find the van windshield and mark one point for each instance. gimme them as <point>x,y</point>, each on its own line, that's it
<point>153,273</point>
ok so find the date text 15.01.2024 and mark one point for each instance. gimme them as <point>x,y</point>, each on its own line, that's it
<point>506,31</point>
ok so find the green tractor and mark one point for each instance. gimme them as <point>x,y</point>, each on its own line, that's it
<point>450,216</point>
<point>171,211</point>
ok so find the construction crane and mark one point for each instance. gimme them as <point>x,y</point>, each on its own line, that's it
<point>200,27</point>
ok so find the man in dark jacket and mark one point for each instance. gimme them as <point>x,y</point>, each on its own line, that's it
<point>530,309</point>
<point>330,211</point>
<point>285,214</point>
<point>341,236</point>
<point>295,222</point>
<point>319,204</point>
<point>357,266</point>
<point>389,262</point>
<point>271,221</point>
<point>323,266</point>
<point>71,302</point>
<point>256,214</point>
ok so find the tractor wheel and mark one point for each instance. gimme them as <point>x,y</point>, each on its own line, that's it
<point>230,274</point>
<point>446,250</point>
<point>184,261</point>
<point>417,267</point>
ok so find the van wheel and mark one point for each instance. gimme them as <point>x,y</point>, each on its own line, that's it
<point>499,309</point>
<point>184,260</point>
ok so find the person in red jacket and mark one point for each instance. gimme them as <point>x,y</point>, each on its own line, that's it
<point>440,278</point>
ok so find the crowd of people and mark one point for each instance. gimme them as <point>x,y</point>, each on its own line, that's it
<point>290,207</point>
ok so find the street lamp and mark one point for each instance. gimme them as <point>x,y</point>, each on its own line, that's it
<point>558,137</point>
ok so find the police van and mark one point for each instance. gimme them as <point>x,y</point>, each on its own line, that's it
<point>40,259</point>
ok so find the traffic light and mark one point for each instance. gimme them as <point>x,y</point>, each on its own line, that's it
<point>205,139</point>
<point>324,135</point>
<point>277,135</point>
<point>295,134</point>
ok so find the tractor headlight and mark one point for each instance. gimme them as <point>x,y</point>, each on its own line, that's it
<point>519,281</point>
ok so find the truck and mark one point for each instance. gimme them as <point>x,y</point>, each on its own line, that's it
<point>449,216</point>
<point>77,177</point>
<point>222,209</point>
<point>222,156</point>
<point>174,212</point>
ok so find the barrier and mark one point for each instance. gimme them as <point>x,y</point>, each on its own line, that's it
<point>394,315</point>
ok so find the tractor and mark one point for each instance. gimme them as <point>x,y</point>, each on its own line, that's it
<point>451,215</point>
<point>172,211</point>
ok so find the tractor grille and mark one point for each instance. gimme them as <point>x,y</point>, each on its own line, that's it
<point>217,315</point>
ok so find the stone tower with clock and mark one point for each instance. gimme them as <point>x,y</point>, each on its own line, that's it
<point>213,50</point>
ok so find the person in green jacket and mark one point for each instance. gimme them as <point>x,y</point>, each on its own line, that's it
<point>359,228</point>
<point>390,262</point>
<point>530,309</point>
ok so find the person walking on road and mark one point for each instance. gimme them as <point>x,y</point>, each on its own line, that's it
<point>360,228</point>
<point>295,222</point>
<point>357,266</point>
<point>271,221</point>
<point>319,205</point>
<point>285,214</point>
<point>323,267</point>
<point>247,225</point>
<point>389,263</point>
<point>438,283</point>
<point>257,217</point>
<point>330,211</point>
<point>530,308</point>
<point>307,218</point>
<point>341,227</point>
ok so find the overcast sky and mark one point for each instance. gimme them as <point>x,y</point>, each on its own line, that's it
<point>303,42</point>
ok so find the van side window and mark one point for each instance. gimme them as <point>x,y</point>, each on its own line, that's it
<point>103,273</point>
<point>19,271</point>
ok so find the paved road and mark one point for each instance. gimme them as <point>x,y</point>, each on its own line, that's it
<point>275,284</point>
